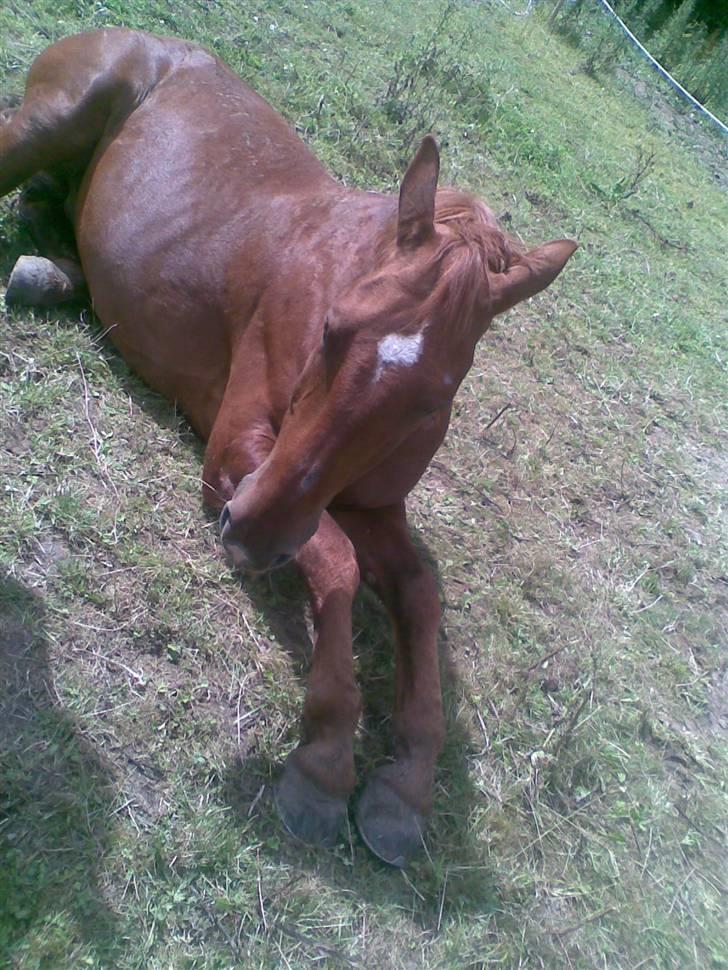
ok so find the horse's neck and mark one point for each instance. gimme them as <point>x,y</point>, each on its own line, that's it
<point>337,237</point>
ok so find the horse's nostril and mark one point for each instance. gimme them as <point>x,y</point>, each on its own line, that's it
<point>280,560</point>
<point>224,517</point>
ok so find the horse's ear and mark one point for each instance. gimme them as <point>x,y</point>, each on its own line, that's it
<point>416,220</point>
<point>536,270</point>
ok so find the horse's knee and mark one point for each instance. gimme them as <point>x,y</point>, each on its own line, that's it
<point>333,705</point>
<point>409,590</point>
<point>330,566</point>
<point>349,576</point>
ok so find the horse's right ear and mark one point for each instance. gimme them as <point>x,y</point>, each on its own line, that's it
<point>416,220</point>
<point>537,270</point>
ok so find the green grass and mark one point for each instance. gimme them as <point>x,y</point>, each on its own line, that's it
<point>147,695</point>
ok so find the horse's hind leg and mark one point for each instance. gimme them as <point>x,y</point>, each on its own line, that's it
<point>55,276</point>
<point>74,88</point>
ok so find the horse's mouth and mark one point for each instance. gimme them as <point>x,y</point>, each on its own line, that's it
<point>262,542</point>
<point>243,562</point>
<point>240,557</point>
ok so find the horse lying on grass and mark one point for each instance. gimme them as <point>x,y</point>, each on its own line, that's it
<point>313,335</point>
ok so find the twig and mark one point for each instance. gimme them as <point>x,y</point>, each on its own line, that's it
<point>481,722</point>
<point>95,436</point>
<point>138,677</point>
<point>248,627</point>
<point>544,659</point>
<point>712,880</point>
<point>498,415</point>
<point>555,12</point>
<point>679,890</point>
<point>628,589</point>
<point>256,800</point>
<point>517,13</point>
<point>647,854</point>
<point>644,163</point>
<point>648,607</point>
<point>693,824</point>
<point>328,951</point>
<point>412,886</point>
<point>571,724</point>
<point>577,926</point>
<point>97,338</point>
<point>220,926</point>
<point>237,719</point>
<point>260,894</point>
<point>107,710</point>
<point>442,901</point>
<point>681,247</point>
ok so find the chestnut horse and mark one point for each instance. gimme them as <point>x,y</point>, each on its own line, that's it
<point>313,335</point>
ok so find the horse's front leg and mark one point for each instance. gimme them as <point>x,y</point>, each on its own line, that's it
<point>397,799</point>
<point>318,778</point>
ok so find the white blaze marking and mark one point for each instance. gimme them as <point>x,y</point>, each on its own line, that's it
<point>397,350</point>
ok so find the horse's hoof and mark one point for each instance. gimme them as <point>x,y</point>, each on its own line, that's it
<point>310,814</point>
<point>387,824</point>
<point>36,281</point>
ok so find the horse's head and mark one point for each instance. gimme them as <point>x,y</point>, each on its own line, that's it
<point>393,350</point>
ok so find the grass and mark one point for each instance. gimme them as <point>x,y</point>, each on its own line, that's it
<point>147,695</point>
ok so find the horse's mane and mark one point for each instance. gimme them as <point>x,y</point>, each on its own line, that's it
<point>473,249</point>
<point>475,228</point>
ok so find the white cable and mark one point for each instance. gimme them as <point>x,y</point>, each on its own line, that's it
<point>660,69</point>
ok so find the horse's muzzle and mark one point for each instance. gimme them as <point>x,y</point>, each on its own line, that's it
<point>247,552</point>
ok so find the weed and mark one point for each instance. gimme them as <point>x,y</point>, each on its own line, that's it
<point>413,101</point>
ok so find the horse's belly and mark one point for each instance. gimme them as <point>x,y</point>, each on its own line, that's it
<point>161,314</point>
<point>154,238</point>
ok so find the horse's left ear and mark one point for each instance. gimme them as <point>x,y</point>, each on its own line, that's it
<point>537,270</point>
<point>416,220</point>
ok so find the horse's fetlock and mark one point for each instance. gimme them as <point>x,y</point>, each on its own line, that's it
<point>420,739</point>
<point>329,763</point>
